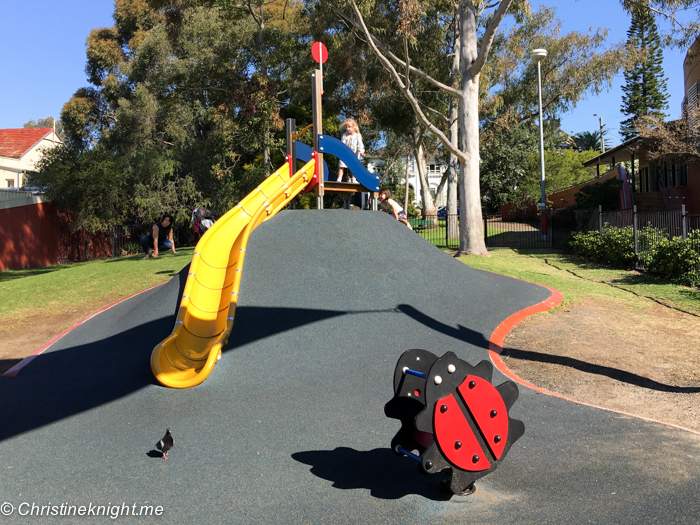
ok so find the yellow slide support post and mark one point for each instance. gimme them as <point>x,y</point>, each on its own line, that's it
<point>205,318</point>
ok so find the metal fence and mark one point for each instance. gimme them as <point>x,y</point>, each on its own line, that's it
<point>648,227</point>
<point>522,230</point>
<point>77,246</point>
<point>14,195</point>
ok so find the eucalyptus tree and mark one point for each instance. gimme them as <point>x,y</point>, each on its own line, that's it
<point>475,18</point>
<point>365,92</point>
<point>176,111</point>
<point>684,29</point>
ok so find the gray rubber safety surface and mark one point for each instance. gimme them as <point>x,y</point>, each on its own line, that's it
<point>289,427</point>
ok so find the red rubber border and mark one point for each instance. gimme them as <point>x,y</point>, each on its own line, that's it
<point>502,330</point>
<point>12,372</point>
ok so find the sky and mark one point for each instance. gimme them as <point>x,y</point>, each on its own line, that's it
<point>42,57</point>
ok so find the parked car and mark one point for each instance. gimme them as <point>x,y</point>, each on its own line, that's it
<point>442,212</point>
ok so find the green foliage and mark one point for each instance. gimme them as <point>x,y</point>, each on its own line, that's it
<point>505,158</point>
<point>47,122</point>
<point>675,258</point>
<point>577,65</point>
<point>618,246</point>
<point>587,140</point>
<point>178,114</point>
<point>586,244</point>
<point>606,193</point>
<point>563,169</point>
<point>615,246</point>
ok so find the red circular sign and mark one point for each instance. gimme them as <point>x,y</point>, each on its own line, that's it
<point>319,52</point>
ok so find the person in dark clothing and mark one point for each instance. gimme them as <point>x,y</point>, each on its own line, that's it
<point>161,236</point>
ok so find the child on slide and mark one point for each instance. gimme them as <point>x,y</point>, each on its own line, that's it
<point>389,205</point>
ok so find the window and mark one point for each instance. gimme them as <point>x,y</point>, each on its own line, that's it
<point>10,183</point>
<point>675,174</point>
<point>434,170</point>
<point>644,179</point>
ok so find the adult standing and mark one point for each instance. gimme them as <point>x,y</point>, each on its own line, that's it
<point>161,236</point>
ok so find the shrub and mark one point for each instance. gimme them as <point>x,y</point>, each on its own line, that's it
<point>618,246</point>
<point>605,193</point>
<point>130,248</point>
<point>615,246</point>
<point>586,244</point>
<point>677,258</point>
<point>648,239</point>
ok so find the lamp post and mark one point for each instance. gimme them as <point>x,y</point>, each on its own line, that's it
<point>602,136</point>
<point>539,54</point>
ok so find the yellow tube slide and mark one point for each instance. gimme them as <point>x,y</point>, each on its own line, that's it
<point>205,318</point>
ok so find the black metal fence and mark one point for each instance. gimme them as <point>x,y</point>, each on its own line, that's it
<point>520,230</point>
<point>77,246</point>
<point>648,227</point>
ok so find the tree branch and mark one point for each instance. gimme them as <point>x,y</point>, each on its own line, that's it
<point>463,156</point>
<point>487,39</point>
<point>645,5</point>
<point>391,55</point>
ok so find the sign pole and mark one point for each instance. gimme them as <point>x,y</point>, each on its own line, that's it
<point>318,130</point>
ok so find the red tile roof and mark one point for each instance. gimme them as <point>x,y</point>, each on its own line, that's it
<point>17,142</point>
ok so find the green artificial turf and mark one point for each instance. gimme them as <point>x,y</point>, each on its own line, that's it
<point>578,279</point>
<point>74,286</point>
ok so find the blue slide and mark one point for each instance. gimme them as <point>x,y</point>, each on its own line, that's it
<point>304,154</point>
<point>332,146</point>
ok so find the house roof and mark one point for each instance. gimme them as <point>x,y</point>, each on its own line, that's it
<point>623,152</point>
<point>17,142</point>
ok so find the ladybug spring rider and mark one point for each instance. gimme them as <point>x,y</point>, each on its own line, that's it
<point>453,415</point>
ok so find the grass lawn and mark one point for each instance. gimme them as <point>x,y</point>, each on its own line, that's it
<point>40,291</point>
<point>436,235</point>
<point>577,279</point>
<point>74,286</point>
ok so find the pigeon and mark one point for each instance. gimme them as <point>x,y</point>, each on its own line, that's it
<point>166,443</point>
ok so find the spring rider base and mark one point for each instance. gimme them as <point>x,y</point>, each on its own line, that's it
<point>453,416</point>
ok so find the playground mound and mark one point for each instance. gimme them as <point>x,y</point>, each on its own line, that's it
<point>290,427</point>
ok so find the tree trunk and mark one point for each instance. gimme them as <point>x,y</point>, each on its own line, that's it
<point>453,163</point>
<point>263,71</point>
<point>429,208</point>
<point>471,229</point>
<point>405,197</point>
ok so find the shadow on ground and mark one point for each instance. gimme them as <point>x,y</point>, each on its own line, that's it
<point>62,383</point>
<point>380,471</point>
<point>6,364</point>
<point>29,272</point>
<point>612,373</point>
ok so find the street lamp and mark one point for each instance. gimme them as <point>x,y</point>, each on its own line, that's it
<point>602,137</point>
<point>539,54</point>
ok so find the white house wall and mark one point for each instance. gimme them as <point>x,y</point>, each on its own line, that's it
<point>14,169</point>
<point>413,180</point>
<point>433,179</point>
